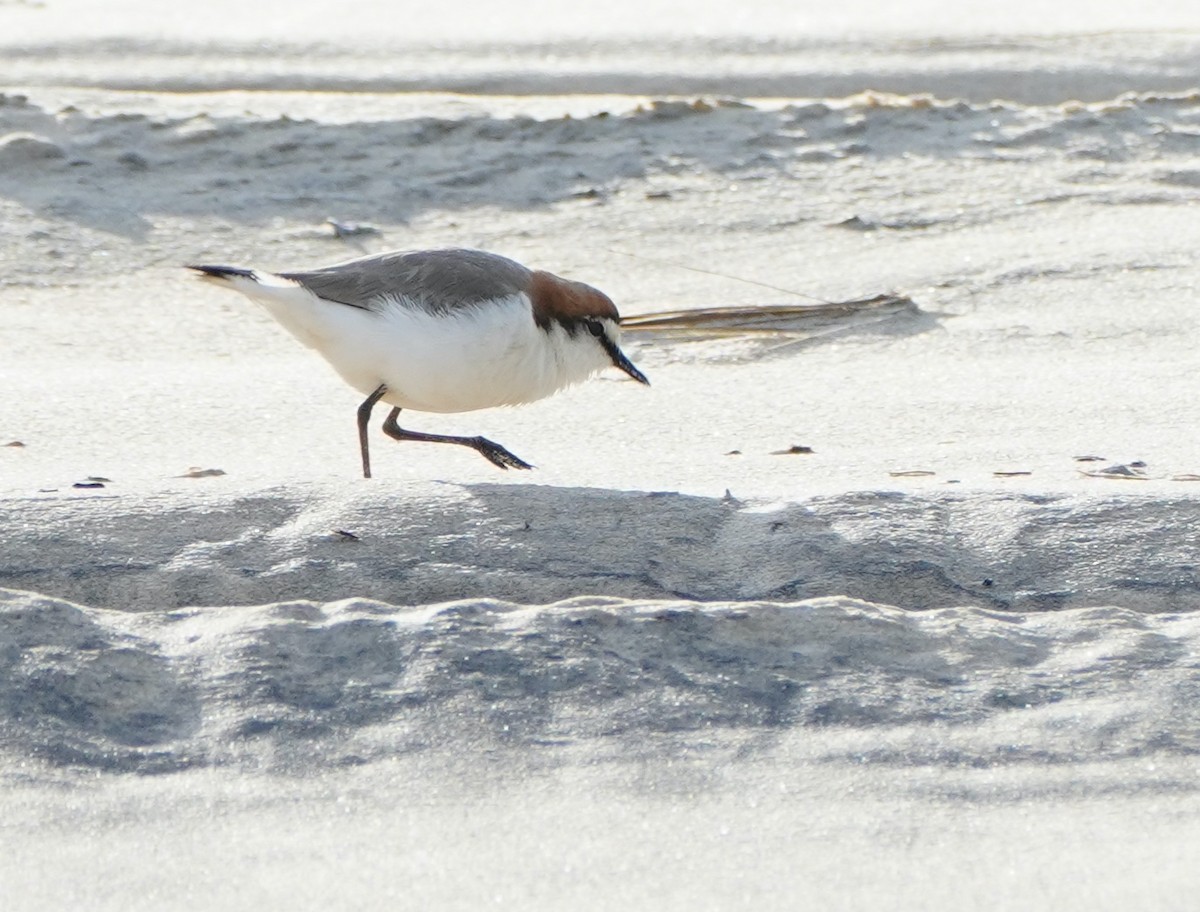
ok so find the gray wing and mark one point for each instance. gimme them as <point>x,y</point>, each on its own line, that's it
<point>437,280</point>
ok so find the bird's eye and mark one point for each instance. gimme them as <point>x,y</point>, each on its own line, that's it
<point>595,328</point>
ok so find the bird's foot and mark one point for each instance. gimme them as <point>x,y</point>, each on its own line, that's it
<point>497,455</point>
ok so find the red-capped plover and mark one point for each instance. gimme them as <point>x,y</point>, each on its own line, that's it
<point>442,331</point>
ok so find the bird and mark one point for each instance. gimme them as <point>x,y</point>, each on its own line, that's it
<point>445,330</point>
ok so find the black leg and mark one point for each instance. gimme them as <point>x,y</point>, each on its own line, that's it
<point>364,415</point>
<point>492,452</point>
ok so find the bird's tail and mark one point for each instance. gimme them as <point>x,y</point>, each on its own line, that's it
<point>264,287</point>
<point>226,273</point>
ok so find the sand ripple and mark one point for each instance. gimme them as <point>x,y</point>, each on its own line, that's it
<point>300,683</point>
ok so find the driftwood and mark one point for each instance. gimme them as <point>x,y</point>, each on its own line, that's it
<point>802,320</point>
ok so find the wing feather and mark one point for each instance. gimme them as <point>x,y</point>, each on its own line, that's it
<point>436,280</point>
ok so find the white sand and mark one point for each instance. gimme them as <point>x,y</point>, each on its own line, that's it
<point>654,673</point>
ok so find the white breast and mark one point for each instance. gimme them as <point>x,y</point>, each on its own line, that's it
<point>475,357</point>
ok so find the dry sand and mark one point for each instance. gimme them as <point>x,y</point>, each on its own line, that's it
<point>939,662</point>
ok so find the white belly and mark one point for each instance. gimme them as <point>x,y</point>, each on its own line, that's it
<point>475,358</point>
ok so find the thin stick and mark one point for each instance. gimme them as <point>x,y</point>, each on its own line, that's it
<point>769,319</point>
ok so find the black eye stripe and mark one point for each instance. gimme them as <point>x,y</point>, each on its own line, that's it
<point>607,344</point>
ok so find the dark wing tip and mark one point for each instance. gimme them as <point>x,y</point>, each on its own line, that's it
<point>222,272</point>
